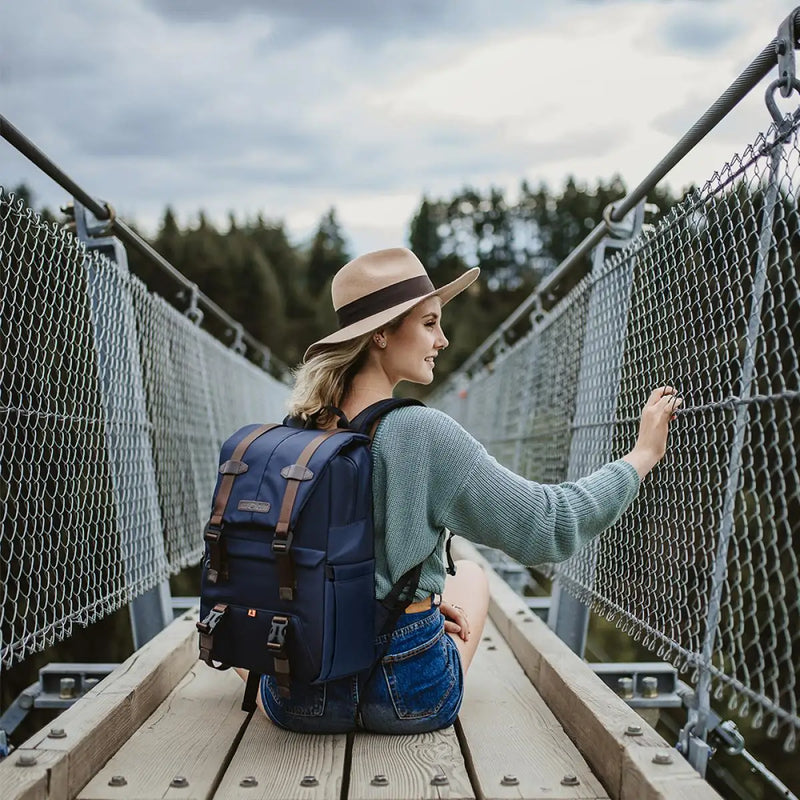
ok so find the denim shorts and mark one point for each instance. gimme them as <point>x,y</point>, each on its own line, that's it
<point>417,687</point>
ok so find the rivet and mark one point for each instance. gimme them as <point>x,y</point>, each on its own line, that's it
<point>625,688</point>
<point>570,780</point>
<point>509,780</point>
<point>66,689</point>
<point>189,618</point>
<point>520,611</point>
<point>662,757</point>
<point>633,730</point>
<point>118,780</point>
<point>26,760</point>
<point>649,687</point>
<point>439,780</point>
<point>487,638</point>
<point>249,781</point>
<point>528,619</point>
<point>309,780</point>
<point>57,733</point>
<point>380,780</point>
<point>179,782</point>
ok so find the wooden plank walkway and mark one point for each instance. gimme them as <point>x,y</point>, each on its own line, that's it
<point>536,723</point>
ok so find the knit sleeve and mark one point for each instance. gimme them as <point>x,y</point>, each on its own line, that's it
<point>468,491</point>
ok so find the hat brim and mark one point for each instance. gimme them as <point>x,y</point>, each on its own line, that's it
<point>371,323</point>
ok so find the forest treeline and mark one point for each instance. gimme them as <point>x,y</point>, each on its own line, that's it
<point>279,290</point>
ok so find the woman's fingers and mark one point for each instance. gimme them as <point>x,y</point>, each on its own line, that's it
<point>455,619</point>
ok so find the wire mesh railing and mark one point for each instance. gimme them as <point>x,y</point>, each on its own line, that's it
<point>704,566</point>
<point>113,406</point>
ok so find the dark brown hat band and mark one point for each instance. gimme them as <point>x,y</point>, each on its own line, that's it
<point>389,296</point>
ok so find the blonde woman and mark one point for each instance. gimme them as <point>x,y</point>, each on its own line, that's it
<point>430,475</point>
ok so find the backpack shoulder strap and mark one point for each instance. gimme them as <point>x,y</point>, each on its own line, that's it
<point>364,422</point>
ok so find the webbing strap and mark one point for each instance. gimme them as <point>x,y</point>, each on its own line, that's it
<point>282,542</point>
<point>276,644</point>
<point>206,629</point>
<point>218,567</point>
<point>251,691</point>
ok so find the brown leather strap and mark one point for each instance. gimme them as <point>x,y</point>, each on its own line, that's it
<point>226,484</point>
<point>218,567</point>
<point>282,541</point>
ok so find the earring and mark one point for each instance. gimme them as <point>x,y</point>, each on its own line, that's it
<point>380,342</point>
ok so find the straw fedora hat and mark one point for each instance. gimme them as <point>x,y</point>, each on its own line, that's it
<point>373,289</point>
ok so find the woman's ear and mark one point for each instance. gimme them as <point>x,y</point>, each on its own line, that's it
<point>379,337</point>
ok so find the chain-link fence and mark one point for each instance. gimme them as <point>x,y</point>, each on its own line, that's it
<point>113,406</point>
<point>703,568</point>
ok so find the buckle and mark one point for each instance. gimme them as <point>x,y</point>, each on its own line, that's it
<point>276,639</point>
<point>212,533</point>
<point>213,619</point>
<point>281,546</point>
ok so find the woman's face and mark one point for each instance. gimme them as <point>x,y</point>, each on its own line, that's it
<point>412,348</point>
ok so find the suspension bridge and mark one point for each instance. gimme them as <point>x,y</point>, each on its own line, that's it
<point>104,382</point>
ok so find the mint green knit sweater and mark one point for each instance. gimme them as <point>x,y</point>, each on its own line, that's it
<point>430,474</point>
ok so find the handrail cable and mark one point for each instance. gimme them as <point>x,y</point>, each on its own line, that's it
<point>725,103</point>
<point>103,212</point>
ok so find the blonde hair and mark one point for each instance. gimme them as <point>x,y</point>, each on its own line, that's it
<point>325,378</point>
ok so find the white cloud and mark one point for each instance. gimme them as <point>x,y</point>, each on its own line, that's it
<point>288,108</point>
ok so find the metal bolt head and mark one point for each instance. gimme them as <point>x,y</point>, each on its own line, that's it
<point>309,780</point>
<point>662,757</point>
<point>179,782</point>
<point>118,780</point>
<point>649,687</point>
<point>625,688</point>
<point>570,780</point>
<point>26,760</point>
<point>66,688</point>
<point>57,733</point>
<point>248,782</point>
<point>509,780</point>
<point>380,780</point>
<point>633,730</point>
<point>439,780</point>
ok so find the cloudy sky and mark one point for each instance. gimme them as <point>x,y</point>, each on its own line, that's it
<point>289,107</point>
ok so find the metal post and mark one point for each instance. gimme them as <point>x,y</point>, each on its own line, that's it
<point>597,389</point>
<point>122,387</point>
<point>700,722</point>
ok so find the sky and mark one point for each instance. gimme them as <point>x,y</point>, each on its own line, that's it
<point>289,107</point>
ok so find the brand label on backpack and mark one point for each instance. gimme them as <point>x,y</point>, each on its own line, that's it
<point>254,505</point>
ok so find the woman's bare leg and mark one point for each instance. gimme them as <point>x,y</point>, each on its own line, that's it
<point>468,593</point>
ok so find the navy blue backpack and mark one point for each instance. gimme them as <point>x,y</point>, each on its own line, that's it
<point>288,583</point>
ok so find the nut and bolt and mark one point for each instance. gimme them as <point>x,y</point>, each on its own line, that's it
<point>179,782</point>
<point>649,687</point>
<point>90,683</point>
<point>57,733</point>
<point>440,780</point>
<point>309,780</point>
<point>26,760</point>
<point>248,782</point>
<point>662,757</point>
<point>66,689</point>
<point>633,730</point>
<point>570,780</point>
<point>509,780</point>
<point>380,780</point>
<point>118,780</point>
<point>625,688</point>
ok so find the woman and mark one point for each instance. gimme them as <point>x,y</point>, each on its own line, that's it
<point>430,475</point>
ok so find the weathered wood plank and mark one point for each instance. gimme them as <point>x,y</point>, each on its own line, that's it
<point>46,778</point>
<point>643,779</point>
<point>593,716</point>
<point>278,760</point>
<point>409,764</point>
<point>513,735</point>
<point>102,721</point>
<point>191,734</point>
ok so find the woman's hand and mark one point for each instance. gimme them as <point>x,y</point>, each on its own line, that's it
<point>653,429</point>
<point>455,620</point>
